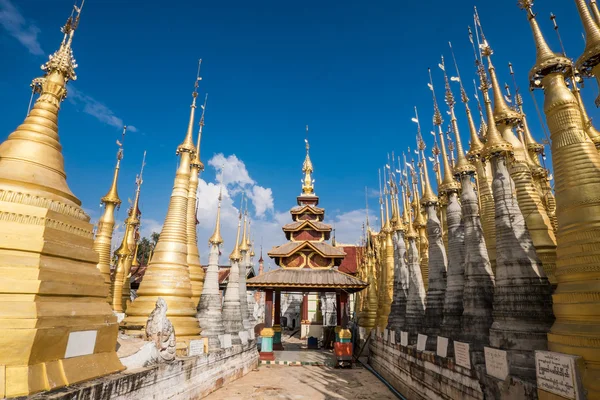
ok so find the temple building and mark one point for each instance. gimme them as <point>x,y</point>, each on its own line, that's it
<point>308,265</point>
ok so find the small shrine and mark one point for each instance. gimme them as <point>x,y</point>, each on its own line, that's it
<point>308,264</point>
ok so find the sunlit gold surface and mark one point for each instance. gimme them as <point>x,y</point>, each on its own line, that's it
<point>577,181</point>
<point>49,283</point>
<point>168,274</point>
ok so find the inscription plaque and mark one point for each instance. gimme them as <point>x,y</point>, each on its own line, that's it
<point>461,354</point>
<point>496,363</point>
<point>421,341</point>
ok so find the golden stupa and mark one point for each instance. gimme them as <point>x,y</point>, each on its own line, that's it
<point>56,328</point>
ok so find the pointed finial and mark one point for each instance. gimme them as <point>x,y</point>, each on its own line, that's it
<point>243,243</point>
<point>235,254</point>
<point>113,196</point>
<point>216,238</point>
<point>428,196</point>
<point>495,143</point>
<point>547,61</point>
<point>502,112</point>
<point>188,142</point>
<point>134,210</point>
<point>62,61</point>
<point>448,182</point>
<point>307,167</point>
<point>196,162</point>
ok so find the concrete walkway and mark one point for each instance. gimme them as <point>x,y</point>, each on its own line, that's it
<point>304,382</point>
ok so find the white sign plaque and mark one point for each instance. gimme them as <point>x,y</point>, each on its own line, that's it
<point>226,341</point>
<point>442,346</point>
<point>378,332</point>
<point>244,337</point>
<point>251,333</point>
<point>556,373</point>
<point>385,334</point>
<point>461,354</point>
<point>81,343</point>
<point>403,338</point>
<point>496,363</point>
<point>421,342</point>
<point>393,337</point>
<point>361,333</point>
<point>196,347</point>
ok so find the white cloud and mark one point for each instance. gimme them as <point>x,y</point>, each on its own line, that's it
<point>26,32</point>
<point>96,109</point>
<point>262,199</point>
<point>349,225</point>
<point>232,170</point>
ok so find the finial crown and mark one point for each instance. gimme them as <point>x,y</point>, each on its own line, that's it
<point>63,60</point>
<point>307,167</point>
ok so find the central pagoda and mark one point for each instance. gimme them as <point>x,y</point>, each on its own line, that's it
<point>308,265</point>
<point>307,235</point>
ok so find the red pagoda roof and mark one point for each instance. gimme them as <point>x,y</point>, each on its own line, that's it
<point>325,249</point>
<point>311,209</point>
<point>316,225</point>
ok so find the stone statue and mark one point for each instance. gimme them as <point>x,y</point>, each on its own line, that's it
<point>159,330</point>
<point>159,344</point>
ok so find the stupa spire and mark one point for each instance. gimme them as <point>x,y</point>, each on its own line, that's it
<point>308,188</point>
<point>502,112</point>
<point>448,182</point>
<point>168,274</point>
<point>196,166</point>
<point>216,238</point>
<point>428,195</point>
<point>106,223</point>
<point>235,253</point>
<point>120,287</point>
<point>462,165</point>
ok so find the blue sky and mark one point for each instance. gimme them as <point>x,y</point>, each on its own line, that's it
<point>350,70</point>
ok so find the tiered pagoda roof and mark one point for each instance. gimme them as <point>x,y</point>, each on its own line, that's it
<point>307,260</point>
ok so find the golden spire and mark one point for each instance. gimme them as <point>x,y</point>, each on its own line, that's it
<point>382,219</point>
<point>386,226</point>
<point>188,142</point>
<point>502,112</point>
<point>235,254</point>
<point>196,159</point>
<point>113,196</point>
<point>133,218</point>
<point>495,143</point>
<point>463,166</point>
<point>168,272</point>
<point>249,242</point>
<point>428,196</point>
<point>308,183</point>
<point>243,246</point>
<point>546,59</point>
<point>216,238</point>
<point>449,184</point>
<point>411,233</point>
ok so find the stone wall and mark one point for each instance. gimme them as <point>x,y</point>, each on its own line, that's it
<point>422,375</point>
<point>186,378</point>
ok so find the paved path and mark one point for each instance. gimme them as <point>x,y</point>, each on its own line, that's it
<point>304,383</point>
